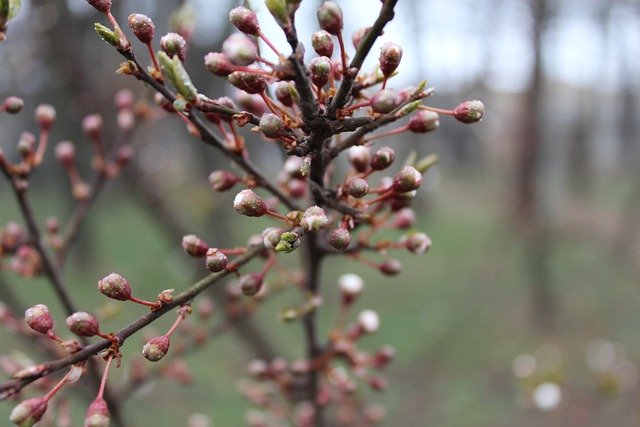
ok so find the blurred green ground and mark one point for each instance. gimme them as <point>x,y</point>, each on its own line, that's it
<point>457,316</point>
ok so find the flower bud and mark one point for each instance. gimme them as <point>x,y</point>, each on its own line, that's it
<point>289,241</point>
<point>65,153</point>
<point>142,27</point>
<point>278,9</point>
<point>249,82</point>
<point>240,49</point>
<point>156,348</point>
<point>251,283</point>
<point>383,158</point>
<point>408,179</point>
<point>97,414</point>
<point>271,125</point>
<point>271,237</point>
<point>368,321</point>
<point>340,238</point>
<point>424,121</point>
<point>359,157</point>
<point>249,203</point>
<point>92,126</point>
<point>377,383</point>
<point>383,357</point>
<point>418,243</point>
<point>469,111</point>
<point>103,6</point>
<point>357,187</point>
<point>245,20</point>
<point>28,412</point>
<point>26,144</point>
<point>83,324</point>
<point>390,56</point>
<point>322,43</point>
<point>351,286</point>
<point>215,260</point>
<point>221,180</point>
<point>174,44</point>
<point>194,246</point>
<point>285,93</point>
<point>358,35</point>
<point>320,70</point>
<point>314,219</point>
<point>251,103</point>
<point>218,64</point>
<point>124,99</point>
<point>385,101</point>
<point>390,267</point>
<point>330,17</point>
<point>45,116</point>
<point>404,218</point>
<point>13,105</point>
<point>39,319</point>
<point>115,286</point>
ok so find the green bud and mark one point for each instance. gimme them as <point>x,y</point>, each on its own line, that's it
<point>175,72</point>
<point>107,35</point>
<point>278,9</point>
<point>409,108</point>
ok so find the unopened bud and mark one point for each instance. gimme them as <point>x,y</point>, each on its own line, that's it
<point>340,238</point>
<point>358,35</point>
<point>251,283</point>
<point>357,187</point>
<point>215,260</point>
<point>249,203</point>
<point>369,321</point>
<point>174,44</point>
<point>218,64</point>
<point>240,49</point>
<point>13,105</point>
<point>289,241</point>
<point>124,154</point>
<point>278,9</point>
<point>26,144</point>
<point>351,286</point>
<point>320,70</point>
<point>194,246</point>
<point>245,20</point>
<point>97,414</point>
<point>383,158</point>
<point>271,125</point>
<point>314,219</point>
<point>330,17</point>
<point>92,125</point>
<point>271,237</point>
<point>322,43</point>
<point>385,101</point>
<point>39,318</point>
<point>383,357</point>
<point>404,218</point>
<point>103,6</point>
<point>28,412</point>
<point>249,82</point>
<point>359,157</point>
<point>156,348</point>
<point>424,121</point>
<point>115,286</point>
<point>45,116</point>
<point>408,179</point>
<point>221,180</point>
<point>390,56</point>
<point>418,243</point>
<point>390,267</point>
<point>142,27</point>
<point>469,111</point>
<point>65,153</point>
<point>286,93</point>
<point>83,324</point>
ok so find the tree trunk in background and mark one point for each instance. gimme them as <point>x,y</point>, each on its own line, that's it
<point>536,239</point>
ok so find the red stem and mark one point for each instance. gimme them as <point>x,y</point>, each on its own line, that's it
<point>436,110</point>
<point>153,57</point>
<point>343,53</point>
<point>105,374</point>
<point>143,302</point>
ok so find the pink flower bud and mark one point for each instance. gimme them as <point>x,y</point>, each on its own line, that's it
<point>83,324</point>
<point>390,267</point>
<point>215,260</point>
<point>28,412</point>
<point>65,153</point>
<point>156,348</point>
<point>103,6</point>
<point>97,414</point>
<point>271,237</point>
<point>284,93</point>
<point>340,238</point>
<point>424,121</point>
<point>174,44</point>
<point>251,103</point>
<point>39,319</point>
<point>368,321</point>
<point>194,246</point>
<point>322,43</point>
<point>320,70</point>
<point>383,158</point>
<point>218,64</point>
<point>330,17</point>
<point>124,154</point>
<point>358,35</point>
<point>13,105</point>
<point>271,125</point>
<point>404,218</point>
<point>26,144</point>
<point>314,219</point>
<point>357,187</point>
<point>251,283</point>
<point>221,180</point>
<point>142,27</point>
<point>385,101</point>
<point>115,286</point>
<point>245,20</point>
<point>92,125</point>
<point>469,111</point>
<point>359,157</point>
<point>383,357</point>
<point>408,179</point>
<point>351,286</point>
<point>390,56</point>
<point>240,49</point>
<point>378,383</point>
<point>124,99</point>
<point>249,82</point>
<point>418,243</point>
<point>258,368</point>
<point>249,203</point>
<point>45,116</point>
